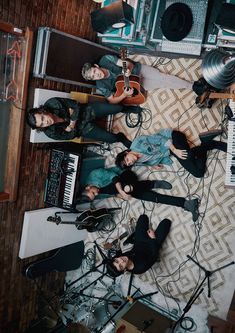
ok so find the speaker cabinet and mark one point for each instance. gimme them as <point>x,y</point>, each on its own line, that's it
<point>115,15</point>
<point>142,318</point>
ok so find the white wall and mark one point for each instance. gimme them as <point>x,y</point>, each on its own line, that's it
<point>39,235</point>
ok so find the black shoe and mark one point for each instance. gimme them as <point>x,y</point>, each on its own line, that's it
<point>203,101</point>
<point>209,135</point>
<point>162,184</point>
<point>123,139</point>
<point>192,206</point>
<point>200,86</point>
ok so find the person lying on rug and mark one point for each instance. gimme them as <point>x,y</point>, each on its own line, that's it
<point>105,182</point>
<point>157,150</point>
<point>65,119</point>
<point>145,251</point>
<point>110,66</point>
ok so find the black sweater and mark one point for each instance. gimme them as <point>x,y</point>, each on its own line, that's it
<point>145,249</point>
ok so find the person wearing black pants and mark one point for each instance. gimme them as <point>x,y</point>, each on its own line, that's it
<point>195,162</point>
<point>156,150</point>
<point>65,119</point>
<point>143,190</point>
<point>145,251</point>
<point>125,184</point>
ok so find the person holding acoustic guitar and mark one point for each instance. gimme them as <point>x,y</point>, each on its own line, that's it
<point>146,246</point>
<point>105,182</point>
<point>109,69</point>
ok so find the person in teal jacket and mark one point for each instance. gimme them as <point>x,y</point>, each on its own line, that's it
<point>104,182</point>
<point>159,148</point>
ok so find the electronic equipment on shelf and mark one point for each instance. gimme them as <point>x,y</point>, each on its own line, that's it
<point>63,179</point>
<point>191,44</point>
<point>181,47</point>
<point>211,29</point>
<point>230,162</point>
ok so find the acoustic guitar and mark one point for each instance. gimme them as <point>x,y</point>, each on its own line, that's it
<point>133,81</point>
<point>92,220</point>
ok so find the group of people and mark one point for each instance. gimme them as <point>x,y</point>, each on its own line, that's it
<point>64,119</point>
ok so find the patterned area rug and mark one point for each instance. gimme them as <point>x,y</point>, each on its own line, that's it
<point>211,239</point>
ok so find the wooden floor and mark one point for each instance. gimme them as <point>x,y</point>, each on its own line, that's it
<point>19,295</point>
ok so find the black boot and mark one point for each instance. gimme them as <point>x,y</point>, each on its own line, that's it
<point>162,184</point>
<point>200,86</point>
<point>209,135</point>
<point>123,139</point>
<point>192,206</point>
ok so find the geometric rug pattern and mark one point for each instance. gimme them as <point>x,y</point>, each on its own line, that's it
<point>211,239</point>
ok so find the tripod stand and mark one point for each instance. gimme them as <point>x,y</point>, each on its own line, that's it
<point>199,289</point>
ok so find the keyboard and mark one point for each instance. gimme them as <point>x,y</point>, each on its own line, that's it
<point>230,161</point>
<point>62,180</point>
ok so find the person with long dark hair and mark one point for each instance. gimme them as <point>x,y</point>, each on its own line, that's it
<point>65,119</point>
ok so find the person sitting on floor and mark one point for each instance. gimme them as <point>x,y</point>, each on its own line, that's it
<point>145,251</point>
<point>105,182</point>
<point>110,66</point>
<point>157,150</point>
<point>65,119</point>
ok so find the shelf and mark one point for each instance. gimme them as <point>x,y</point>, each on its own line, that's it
<point>16,64</point>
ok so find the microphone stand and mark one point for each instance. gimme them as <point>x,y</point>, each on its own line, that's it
<point>130,298</point>
<point>199,289</point>
<point>94,269</point>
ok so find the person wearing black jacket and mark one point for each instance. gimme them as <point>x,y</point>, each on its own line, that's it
<point>145,251</point>
<point>65,119</point>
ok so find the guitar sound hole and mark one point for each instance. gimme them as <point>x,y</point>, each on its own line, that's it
<point>135,92</point>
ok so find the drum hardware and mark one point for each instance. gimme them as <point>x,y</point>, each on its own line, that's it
<point>101,315</point>
<point>105,305</point>
<point>98,316</point>
<point>79,312</point>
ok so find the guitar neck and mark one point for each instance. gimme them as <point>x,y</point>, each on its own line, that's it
<point>126,79</point>
<point>115,242</point>
<point>65,222</point>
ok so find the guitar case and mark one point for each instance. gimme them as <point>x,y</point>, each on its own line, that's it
<point>65,259</point>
